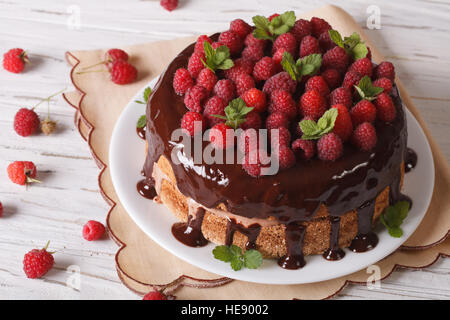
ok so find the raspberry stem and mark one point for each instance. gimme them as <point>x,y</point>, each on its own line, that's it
<point>96,64</point>
<point>49,98</point>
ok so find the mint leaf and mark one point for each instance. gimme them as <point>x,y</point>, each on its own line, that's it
<point>308,65</point>
<point>269,30</point>
<point>366,90</point>
<point>217,58</point>
<point>393,217</point>
<point>142,122</point>
<point>252,259</point>
<point>146,95</point>
<point>336,38</point>
<point>223,253</point>
<point>236,263</point>
<point>313,131</point>
<point>235,113</point>
<point>360,51</point>
<point>289,65</point>
<point>353,44</point>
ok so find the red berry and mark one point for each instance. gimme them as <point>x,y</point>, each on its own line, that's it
<point>277,120</point>
<point>362,66</point>
<point>286,41</point>
<point>225,89</point>
<point>26,122</point>
<point>1,210</point>
<point>93,230</point>
<point>385,70</point>
<point>221,136</point>
<point>195,64</point>
<point>255,99</point>
<point>319,26</point>
<point>194,98</point>
<point>351,79</point>
<point>241,65</point>
<point>113,55</point>
<point>309,45</point>
<point>343,96</point>
<point>343,126</point>
<point>252,162</point>
<point>264,69</point>
<point>199,48</point>
<point>385,108</point>
<point>332,77</point>
<point>384,83</point>
<point>193,123</point>
<point>122,72</point>
<point>317,83</point>
<point>248,139</point>
<point>298,129</point>
<point>363,111</point>
<point>273,16</point>
<point>304,149</point>
<point>365,137</point>
<point>301,29</point>
<point>325,42</point>
<point>312,104</point>
<point>22,172</point>
<point>250,40</point>
<point>286,157</point>
<point>169,5</point>
<point>252,121</point>
<point>278,57</point>
<point>369,53</point>
<point>36,263</point>
<point>253,53</point>
<point>207,79</point>
<point>244,82</point>
<point>14,60</point>
<point>336,58</point>
<point>214,106</point>
<point>240,27</point>
<point>329,147</point>
<point>280,137</point>
<point>232,41</point>
<point>182,81</point>
<point>281,101</point>
<point>155,295</point>
<point>280,81</point>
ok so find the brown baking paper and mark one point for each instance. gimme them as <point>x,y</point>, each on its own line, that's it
<point>142,263</point>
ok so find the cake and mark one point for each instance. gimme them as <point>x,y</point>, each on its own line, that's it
<point>331,187</point>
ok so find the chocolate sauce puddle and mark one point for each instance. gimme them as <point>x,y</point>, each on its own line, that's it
<point>190,233</point>
<point>334,253</point>
<point>145,189</point>
<point>252,233</point>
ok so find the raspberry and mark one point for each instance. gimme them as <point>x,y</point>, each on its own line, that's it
<point>240,27</point>
<point>241,65</point>
<point>286,41</point>
<point>282,81</point>
<point>325,41</point>
<point>155,295</point>
<point>332,78</point>
<point>225,89</point>
<point>169,5</point>
<point>273,16</point>
<point>195,64</point>
<point>221,136</point>
<point>341,95</point>
<point>252,121</point>
<point>247,140</point>
<point>364,137</point>
<point>319,84</point>
<point>207,79</point>
<point>232,41</point>
<point>122,72</point>
<point>252,162</point>
<point>264,69</point>
<point>385,70</point>
<point>48,126</point>
<point>369,53</point>
<point>277,120</point>
<point>93,230</point>
<point>363,111</point>
<point>1,210</point>
<point>188,123</point>
<point>199,44</point>
<point>319,26</point>
<point>216,44</point>
<point>301,29</point>
<point>36,263</point>
<point>194,97</point>
<point>250,40</point>
<point>304,149</point>
<point>14,60</point>
<point>22,172</point>
<point>384,83</point>
<point>182,81</point>
<point>281,101</point>
<point>243,83</point>
<point>113,55</point>
<point>329,147</point>
<point>343,126</point>
<point>309,45</point>
<point>286,157</point>
<point>385,107</point>
<point>282,139</point>
<point>255,99</point>
<point>253,53</point>
<point>26,122</point>
<point>351,79</point>
<point>336,58</point>
<point>214,106</point>
<point>312,104</point>
<point>278,57</point>
<point>362,66</point>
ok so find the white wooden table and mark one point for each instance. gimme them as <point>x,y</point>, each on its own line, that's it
<point>414,35</point>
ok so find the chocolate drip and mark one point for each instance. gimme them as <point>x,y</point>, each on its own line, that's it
<point>410,160</point>
<point>252,233</point>
<point>141,132</point>
<point>190,232</point>
<point>334,252</point>
<point>145,189</point>
<point>294,258</point>
<point>395,195</point>
<point>365,240</point>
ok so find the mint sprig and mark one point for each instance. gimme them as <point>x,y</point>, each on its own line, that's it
<point>142,122</point>
<point>251,259</point>
<point>353,44</point>
<point>235,113</point>
<point>146,95</point>
<point>270,30</point>
<point>366,90</point>
<point>315,130</point>
<point>217,58</point>
<point>305,66</point>
<point>393,216</point>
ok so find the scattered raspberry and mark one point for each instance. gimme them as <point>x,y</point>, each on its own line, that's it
<point>301,29</point>
<point>22,172</point>
<point>232,41</point>
<point>252,121</point>
<point>309,45</point>
<point>195,64</point>
<point>207,79</point>
<point>286,157</point>
<point>336,58</point>
<point>286,41</point>
<point>317,83</point>
<point>244,82</point>
<point>188,123</point>
<point>241,65</point>
<point>169,5</point>
<point>225,89</point>
<point>114,55</point>
<point>214,106</point>
<point>255,99</point>
<point>1,209</point>
<point>319,26</point>
<point>343,126</point>
<point>304,149</point>
<point>14,60</point>
<point>122,72</point>
<point>384,83</point>
<point>253,53</point>
<point>282,101</point>
<point>250,40</point>
<point>273,16</point>
<point>365,137</point>
<point>312,104</point>
<point>385,107</point>
<point>281,81</point>
<point>362,66</point>
<point>155,295</point>
<point>282,139</point>
<point>325,41</point>
<point>264,69</point>
<point>199,44</point>
<point>343,96</point>
<point>385,70</point>
<point>194,98</point>
<point>332,77</point>
<point>182,81</point>
<point>329,147</point>
<point>93,230</point>
<point>277,120</point>
<point>363,111</point>
<point>351,79</point>
<point>36,263</point>
<point>221,136</point>
<point>26,122</point>
<point>240,27</point>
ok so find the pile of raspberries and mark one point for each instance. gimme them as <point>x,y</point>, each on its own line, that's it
<point>280,102</point>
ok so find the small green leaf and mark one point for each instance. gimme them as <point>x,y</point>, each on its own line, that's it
<point>223,253</point>
<point>235,113</point>
<point>393,217</point>
<point>310,64</point>
<point>252,259</point>
<point>236,263</point>
<point>313,131</point>
<point>217,58</point>
<point>147,93</point>
<point>360,51</point>
<point>402,208</point>
<point>366,90</point>
<point>269,30</point>
<point>336,38</point>
<point>289,65</point>
<point>395,232</point>
<point>142,122</point>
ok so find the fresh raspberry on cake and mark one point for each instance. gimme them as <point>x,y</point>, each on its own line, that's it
<point>277,120</point>
<point>14,60</point>
<point>301,29</point>
<point>182,81</point>
<point>282,101</point>
<point>232,41</point>
<point>309,45</point>
<point>341,95</point>
<point>256,99</point>
<point>329,147</point>
<point>253,53</point>
<point>317,83</point>
<point>195,64</point>
<point>248,139</point>
<point>243,82</point>
<point>250,40</point>
<point>304,149</point>
<point>252,162</point>
<point>319,26</point>
<point>241,28</point>
<point>385,70</point>
<point>221,136</point>
<point>36,263</point>
<point>351,79</point>
<point>363,111</point>
<point>271,17</point>
<point>282,81</point>
<point>252,121</point>
<point>385,107</point>
<point>286,41</point>
<point>384,83</point>
<point>312,104</point>
<point>332,77</point>
<point>193,123</point>
<point>364,137</point>
<point>280,137</point>
<point>194,98</point>
<point>199,48</point>
<point>264,69</point>
<point>241,65</point>
<point>26,122</point>
<point>22,172</point>
<point>336,58</point>
<point>362,66</point>
<point>278,57</point>
<point>122,72</point>
<point>207,79</point>
<point>343,126</point>
<point>286,157</point>
<point>214,106</point>
<point>225,89</point>
<point>325,41</point>
<point>93,230</point>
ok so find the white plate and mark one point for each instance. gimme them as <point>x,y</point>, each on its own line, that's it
<point>126,161</point>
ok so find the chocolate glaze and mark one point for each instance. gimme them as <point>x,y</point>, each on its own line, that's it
<point>410,160</point>
<point>252,232</point>
<point>190,232</point>
<point>294,259</point>
<point>145,189</point>
<point>141,132</point>
<point>334,252</point>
